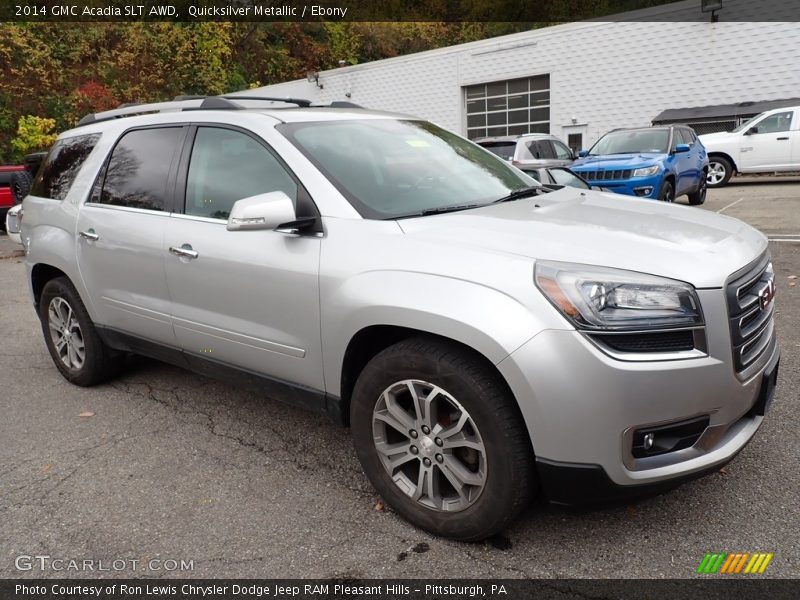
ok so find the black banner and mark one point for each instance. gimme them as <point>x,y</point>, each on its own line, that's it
<point>711,588</point>
<point>519,11</point>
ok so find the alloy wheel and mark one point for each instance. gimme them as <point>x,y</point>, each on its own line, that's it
<point>716,173</point>
<point>429,445</point>
<point>66,334</point>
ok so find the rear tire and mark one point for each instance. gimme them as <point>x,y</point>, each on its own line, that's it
<point>464,428</point>
<point>72,340</point>
<point>697,197</point>
<point>720,171</point>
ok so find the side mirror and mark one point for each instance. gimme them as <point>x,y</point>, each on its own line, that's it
<point>583,153</point>
<point>264,211</point>
<point>682,148</point>
<point>751,131</point>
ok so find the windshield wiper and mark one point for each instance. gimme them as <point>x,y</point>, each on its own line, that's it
<point>533,190</point>
<point>438,211</point>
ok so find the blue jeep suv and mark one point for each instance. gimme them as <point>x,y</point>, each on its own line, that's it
<point>661,163</point>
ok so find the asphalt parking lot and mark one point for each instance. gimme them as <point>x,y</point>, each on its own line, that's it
<point>174,466</point>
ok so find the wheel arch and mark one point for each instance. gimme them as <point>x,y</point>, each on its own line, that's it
<point>373,339</point>
<point>41,273</point>
<point>725,155</point>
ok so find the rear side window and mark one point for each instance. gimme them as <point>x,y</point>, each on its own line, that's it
<point>138,169</point>
<point>541,149</point>
<point>61,166</point>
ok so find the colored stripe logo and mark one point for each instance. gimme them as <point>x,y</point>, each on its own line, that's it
<point>734,563</point>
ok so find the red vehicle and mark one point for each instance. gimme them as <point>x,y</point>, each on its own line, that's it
<point>15,183</point>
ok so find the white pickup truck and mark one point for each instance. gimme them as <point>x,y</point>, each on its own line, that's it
<point>767,143</point>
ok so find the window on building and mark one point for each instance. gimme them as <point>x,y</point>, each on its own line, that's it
<point>508,107</point>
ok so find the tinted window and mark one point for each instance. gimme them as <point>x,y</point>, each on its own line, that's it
<point>562,152</point>
<point>502,149</point>
<point>138,169</point>
<point>61,166</point>
<point>541,149</point>
<point>227,166</point>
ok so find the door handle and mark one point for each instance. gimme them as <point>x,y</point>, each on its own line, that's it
<point>89,234</point>
<point>782,138</point>
<point>184,251</point>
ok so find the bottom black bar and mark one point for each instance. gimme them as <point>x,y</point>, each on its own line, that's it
<point>710,587</point>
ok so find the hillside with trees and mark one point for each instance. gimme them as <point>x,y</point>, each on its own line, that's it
<point>52,74</point>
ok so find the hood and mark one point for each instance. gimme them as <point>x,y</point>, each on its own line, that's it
<point>597,228</point>
<point>618,161</point>
<point>711,139</point>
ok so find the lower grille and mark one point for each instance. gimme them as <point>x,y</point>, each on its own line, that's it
<point>750,297</point>
<point>667,341</point>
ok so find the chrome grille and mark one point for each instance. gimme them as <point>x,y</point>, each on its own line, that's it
<point>750,310</point>
<point>608,175</point>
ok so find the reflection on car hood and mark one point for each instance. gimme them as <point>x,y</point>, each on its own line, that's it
<point>616,161</point>
<point>598,228</point>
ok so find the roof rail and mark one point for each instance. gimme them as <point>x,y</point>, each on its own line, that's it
<point>180,103</point>
<point>302,102</point>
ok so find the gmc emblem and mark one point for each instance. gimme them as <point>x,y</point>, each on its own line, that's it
<point>766,294</point>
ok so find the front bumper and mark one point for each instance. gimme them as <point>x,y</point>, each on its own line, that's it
<point>641,187</point>
<point>581,405</point>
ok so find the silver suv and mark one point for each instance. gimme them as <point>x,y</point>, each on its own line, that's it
<point>530,151</point>
<point>486,340</point>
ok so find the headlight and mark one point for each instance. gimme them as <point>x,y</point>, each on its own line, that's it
<point>646,171</point>
<point>597,298</point>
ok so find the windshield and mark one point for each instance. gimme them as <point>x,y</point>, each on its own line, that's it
<point>747,123</point>
<point>502,149</point>
<point>632,142</point>
<point>567,177</point>
<point>388,168</point>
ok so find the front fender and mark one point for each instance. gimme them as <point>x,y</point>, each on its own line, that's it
<point>485,319</point>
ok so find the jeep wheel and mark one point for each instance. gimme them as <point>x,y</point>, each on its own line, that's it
<point>719,171</point>
<point>442,439</point>
<point>697,197</point>
<point>667,192</point>
<point>73,342</point>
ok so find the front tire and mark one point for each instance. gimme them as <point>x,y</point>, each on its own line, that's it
<point>667,191</point>
<point>720,171</point>
<point>72,340</point>
<point>442,440</point>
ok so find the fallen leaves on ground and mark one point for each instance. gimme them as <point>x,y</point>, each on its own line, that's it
<point>86,413</point>
<point>724,471</point>
<point>379,507</point>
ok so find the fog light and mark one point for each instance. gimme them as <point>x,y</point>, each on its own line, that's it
<point>647,443</point>
<point>643,191</point>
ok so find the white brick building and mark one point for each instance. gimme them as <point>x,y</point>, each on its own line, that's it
<point>579,80</point>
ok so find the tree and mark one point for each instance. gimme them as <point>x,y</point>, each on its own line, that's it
<point>33,134</point>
